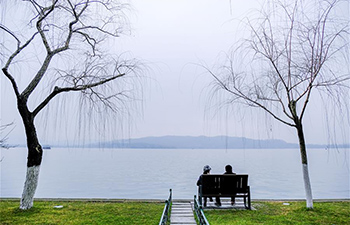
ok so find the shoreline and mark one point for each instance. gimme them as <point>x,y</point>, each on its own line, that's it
<point>162,200</point>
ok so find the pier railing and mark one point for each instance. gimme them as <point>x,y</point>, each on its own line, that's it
<point>166,212</point>
<point>199,213</point>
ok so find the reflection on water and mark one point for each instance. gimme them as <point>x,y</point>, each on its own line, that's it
<point>149,173</point>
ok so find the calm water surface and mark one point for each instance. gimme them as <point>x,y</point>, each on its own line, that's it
<point>149,173</point>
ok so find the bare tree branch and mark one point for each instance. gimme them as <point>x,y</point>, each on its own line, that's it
<point>12,80</point>
<point>58,90</point>
<point>3,138</point>
<point>240,95</point>
<point>19,47</point>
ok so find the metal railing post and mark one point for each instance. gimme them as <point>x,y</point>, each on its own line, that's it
<point>199,213</point>
<point>166,211</point>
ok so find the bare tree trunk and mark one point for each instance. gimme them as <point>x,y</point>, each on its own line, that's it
<point>307,183</point>
<point>35,153</point>
<point>30,186</point>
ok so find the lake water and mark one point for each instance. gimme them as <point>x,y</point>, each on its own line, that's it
<point>150,173</point>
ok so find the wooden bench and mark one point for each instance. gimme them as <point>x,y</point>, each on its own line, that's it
<point>226,185</point>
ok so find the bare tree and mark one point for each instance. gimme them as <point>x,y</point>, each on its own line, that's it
<point>63,47</point>
<point>294,48</point>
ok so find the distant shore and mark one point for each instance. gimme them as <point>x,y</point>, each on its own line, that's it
<point>194,142</point>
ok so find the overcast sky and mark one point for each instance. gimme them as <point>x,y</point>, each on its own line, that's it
<point>173,37</point>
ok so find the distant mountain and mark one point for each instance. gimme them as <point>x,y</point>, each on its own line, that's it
<point>194,142</point>
<point>199,142</point>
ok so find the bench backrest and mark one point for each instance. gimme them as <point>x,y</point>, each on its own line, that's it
<point>225,184</point>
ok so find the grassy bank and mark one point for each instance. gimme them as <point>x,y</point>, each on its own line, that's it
<point>88,212</point>
<point>277,213</point>
<point>80,212</point>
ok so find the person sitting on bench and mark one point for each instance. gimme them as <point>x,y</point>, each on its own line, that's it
<point>206,170</point>
<point>228,170</point>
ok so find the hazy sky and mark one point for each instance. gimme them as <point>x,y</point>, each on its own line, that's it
<point>173,37</point>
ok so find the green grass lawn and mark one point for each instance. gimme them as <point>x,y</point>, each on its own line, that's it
<point>148,213</point>
<point>80,212</point>
<point>277,213</point>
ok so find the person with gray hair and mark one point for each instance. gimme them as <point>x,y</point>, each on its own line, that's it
<point>206,170</point>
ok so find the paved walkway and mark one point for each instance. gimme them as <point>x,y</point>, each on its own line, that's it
<point>182,213</point>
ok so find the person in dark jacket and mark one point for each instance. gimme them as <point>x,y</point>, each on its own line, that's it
<point>228,170</point>
<point>206,170</point>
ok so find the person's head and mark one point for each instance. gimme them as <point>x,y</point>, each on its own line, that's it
<point>206,169</point>
<point>228,168</point>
